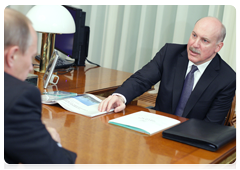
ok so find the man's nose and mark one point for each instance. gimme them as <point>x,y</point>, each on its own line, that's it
<point>196,43</point>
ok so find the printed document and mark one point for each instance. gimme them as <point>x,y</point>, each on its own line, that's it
<point>84,104</point>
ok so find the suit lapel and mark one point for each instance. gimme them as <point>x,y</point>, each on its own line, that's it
<point>180,72</point>
<point>207,77</point>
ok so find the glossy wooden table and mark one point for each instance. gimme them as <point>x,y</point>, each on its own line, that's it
<point>88,79</point>
<point>97,142</point>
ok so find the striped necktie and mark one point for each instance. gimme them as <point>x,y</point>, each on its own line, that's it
<point>186,92</point>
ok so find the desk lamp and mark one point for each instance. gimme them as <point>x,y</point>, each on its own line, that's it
<point>50,20</point>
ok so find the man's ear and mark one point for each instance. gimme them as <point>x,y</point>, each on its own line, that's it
<point>10,55</point>
<point>219,47</point>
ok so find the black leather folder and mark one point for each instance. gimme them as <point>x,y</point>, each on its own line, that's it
<point>201,134</point>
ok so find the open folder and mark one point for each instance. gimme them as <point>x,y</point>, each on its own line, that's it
<point>201,134</point>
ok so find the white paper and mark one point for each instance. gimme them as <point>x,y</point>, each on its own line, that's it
<point>86,104</point>
<point>149,123</point>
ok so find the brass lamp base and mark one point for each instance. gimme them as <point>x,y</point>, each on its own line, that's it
<point>47,47</point>
<point>38,70</point>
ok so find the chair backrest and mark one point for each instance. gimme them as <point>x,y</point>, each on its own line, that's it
<point>231,116</point>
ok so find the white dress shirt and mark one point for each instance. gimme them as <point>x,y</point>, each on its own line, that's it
<point>198,73</point>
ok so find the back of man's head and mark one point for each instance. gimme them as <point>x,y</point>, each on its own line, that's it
<point>16,30</point>
<point>20,44</point>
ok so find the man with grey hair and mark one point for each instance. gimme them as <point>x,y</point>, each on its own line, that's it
<point>194,80</point>
<point>26,139</point>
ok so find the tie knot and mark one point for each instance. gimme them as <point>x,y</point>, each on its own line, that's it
<point>193,69</point>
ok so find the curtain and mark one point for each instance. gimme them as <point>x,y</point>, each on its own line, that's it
<point>126,37</point>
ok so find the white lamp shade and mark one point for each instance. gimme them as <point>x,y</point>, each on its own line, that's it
<point>51,19</point>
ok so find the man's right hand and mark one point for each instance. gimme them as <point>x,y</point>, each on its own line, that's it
<point>112,102</point>
<point>54,134</point>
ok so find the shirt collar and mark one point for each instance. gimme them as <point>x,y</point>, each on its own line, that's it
<point>201,67</point>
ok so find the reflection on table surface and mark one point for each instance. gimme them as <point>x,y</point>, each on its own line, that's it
<point>97,142</point>
<point>86,79</point>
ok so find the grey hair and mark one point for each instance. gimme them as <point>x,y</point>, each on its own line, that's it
<point>222,34</point>
<point>16,30</point>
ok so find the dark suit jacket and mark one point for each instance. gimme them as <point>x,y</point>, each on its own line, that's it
<point>26,139</point>
<point>211,98</point>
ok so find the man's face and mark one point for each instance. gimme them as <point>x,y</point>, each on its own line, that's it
<point>202,44</point>
<point>23,64</point>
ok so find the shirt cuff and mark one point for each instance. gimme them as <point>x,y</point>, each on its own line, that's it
<point>118,94</point>
<point>59,144</point>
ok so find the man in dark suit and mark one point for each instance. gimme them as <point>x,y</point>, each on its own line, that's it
<point>214,82</point>
<point>26,139</point>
